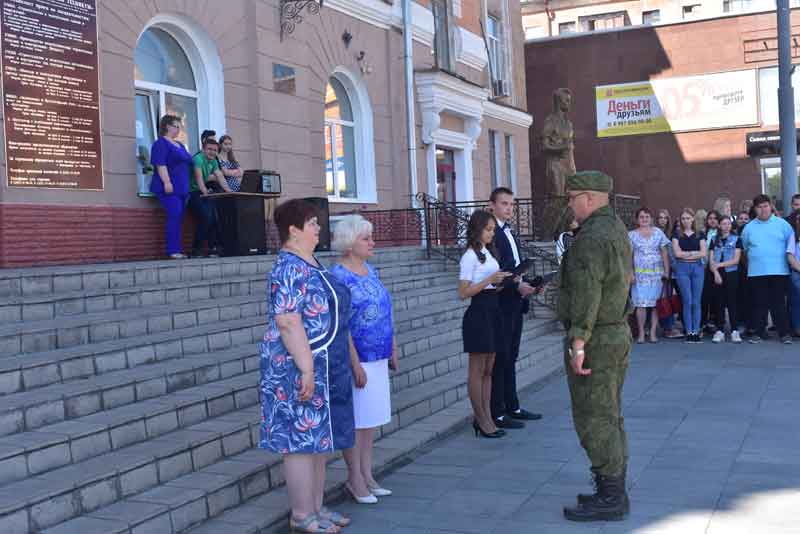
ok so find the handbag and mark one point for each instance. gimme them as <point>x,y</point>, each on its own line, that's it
<point>668,304</point>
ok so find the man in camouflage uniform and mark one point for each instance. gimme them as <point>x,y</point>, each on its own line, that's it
<point>596,274</point>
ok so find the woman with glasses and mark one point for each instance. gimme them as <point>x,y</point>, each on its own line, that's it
<point>170,182</point>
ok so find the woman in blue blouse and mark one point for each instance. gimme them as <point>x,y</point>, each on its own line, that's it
<point>306,379</point>
<point>170,182</point>
<point>374,351</point>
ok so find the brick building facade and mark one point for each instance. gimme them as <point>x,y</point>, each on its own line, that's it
<point>269,92</point>
<point>672,170</point>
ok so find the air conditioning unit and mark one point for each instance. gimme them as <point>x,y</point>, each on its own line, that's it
<point>501,88</point>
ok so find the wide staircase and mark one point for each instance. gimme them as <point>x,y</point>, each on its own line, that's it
<point>129,400</point>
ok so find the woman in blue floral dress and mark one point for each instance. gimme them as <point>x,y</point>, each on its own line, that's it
<point>651,269</point>
<point>306,378</point>
<point>375,352</point>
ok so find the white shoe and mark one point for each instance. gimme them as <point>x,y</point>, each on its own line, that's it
<point>379,491</point>
<point>367,499</point>
<point>719,337</point>
<point>736,337</point>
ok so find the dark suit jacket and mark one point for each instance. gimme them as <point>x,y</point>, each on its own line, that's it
<point>510,299</point>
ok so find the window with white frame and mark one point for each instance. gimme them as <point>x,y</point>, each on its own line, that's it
<point>511,170</point>
<point>566,27</point>
<point>730,6</point>
<point>442,38</point>
<point>165,84</point>
<point>651,17</point>
<point>496,44</point>
<point>691,11</point>
<point>494,159</point>
<point>341,180</point>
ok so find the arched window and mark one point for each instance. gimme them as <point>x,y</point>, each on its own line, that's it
<point>165,84</point>
<point>341,180</point>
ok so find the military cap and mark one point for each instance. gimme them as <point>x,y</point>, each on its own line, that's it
<point>590,181</point>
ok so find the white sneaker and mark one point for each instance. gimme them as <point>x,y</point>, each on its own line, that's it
<point>719,337</point>
<point>735,337</point>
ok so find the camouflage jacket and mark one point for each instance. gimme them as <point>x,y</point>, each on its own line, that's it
<point>596,274</point>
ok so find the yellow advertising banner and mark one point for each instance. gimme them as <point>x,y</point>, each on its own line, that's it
<point>710,101</point>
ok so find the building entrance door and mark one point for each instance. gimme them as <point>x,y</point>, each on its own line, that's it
<point>445,175</point>
<point>771,180</point>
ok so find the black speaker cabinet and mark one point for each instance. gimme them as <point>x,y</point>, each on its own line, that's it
<point>242,225</point>
<point>324,220</point>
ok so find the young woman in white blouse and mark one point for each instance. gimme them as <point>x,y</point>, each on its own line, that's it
<point>479,277</point>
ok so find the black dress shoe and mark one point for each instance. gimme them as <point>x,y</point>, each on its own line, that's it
<point>507,422</point>
<point>525,415</point>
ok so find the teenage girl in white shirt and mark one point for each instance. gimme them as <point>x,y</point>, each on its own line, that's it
<point>479,277</point>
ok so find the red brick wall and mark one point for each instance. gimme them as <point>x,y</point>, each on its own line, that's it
<point>667,170</point>
<point>32,234</point>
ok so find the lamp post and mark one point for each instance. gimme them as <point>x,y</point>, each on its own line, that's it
<point>786,105</point>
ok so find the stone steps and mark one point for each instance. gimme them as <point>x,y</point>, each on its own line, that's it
<point>155,431</point>
<point>38,336</point>
<point>190,488</point>
<point>16,283</point>
<point>28,371</point>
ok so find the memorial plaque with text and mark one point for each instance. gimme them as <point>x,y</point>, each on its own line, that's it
<point>51,94</point>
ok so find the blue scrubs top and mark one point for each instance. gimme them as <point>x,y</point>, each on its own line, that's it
<point>178,162</point>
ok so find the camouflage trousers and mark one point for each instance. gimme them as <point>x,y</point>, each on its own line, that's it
<point>597,406</point>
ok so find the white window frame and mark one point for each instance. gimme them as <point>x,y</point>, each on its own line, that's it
<point>497,52</point>
<point>494,160</point>
<point>511,162</point>
<point>446,24</point>
<point>334,124</point>
<point>573,24</point>
<point>650,13</point>
<point>363,139</point>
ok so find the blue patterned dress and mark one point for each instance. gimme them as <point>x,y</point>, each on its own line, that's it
<point>648,267</point>
<point>325,422</point>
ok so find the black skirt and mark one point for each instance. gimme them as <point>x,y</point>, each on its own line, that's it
<point>478,325</point>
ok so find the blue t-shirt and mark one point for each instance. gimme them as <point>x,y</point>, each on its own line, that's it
<point>178,162</point>
<point>765,243</point>
<point>371,320</point>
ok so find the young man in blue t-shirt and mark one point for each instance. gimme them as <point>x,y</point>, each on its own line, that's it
<point>764,239</point>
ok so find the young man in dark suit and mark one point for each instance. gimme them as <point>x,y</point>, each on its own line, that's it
<point>504,402</point>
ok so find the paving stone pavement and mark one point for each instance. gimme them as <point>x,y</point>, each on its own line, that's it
<point>713,433</point>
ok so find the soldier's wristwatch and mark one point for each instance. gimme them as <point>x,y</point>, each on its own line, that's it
<point>579,352</point>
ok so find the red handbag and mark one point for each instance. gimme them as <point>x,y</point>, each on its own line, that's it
<point>669,304</point>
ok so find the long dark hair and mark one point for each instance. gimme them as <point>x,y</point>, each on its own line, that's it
<point>477,223</point>
<point>231,156</point>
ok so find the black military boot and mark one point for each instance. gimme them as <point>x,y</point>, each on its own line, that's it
<point>583,498</point>
<point>610,503</point>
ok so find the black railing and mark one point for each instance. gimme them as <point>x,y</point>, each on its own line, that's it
<point>441,227</point>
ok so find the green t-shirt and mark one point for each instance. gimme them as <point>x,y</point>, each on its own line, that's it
<point>206,167</point>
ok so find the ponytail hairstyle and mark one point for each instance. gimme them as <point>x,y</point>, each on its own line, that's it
<point>477,223</point>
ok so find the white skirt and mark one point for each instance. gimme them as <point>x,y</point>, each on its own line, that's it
<point>372,406</point>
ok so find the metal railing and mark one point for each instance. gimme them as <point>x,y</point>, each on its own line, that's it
<point>441,227</point>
